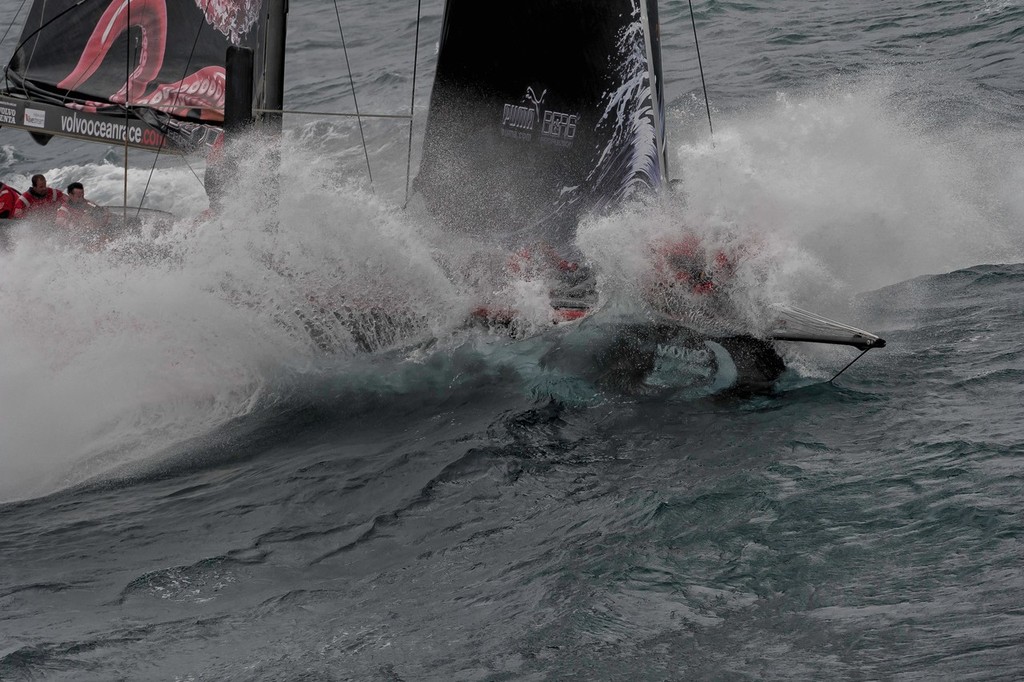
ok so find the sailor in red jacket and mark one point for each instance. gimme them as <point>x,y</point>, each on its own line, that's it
<point>12,204</point>
<point>83,221</point>
<point>40,197</point>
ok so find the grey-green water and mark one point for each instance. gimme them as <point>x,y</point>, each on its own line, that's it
<point>190,497</point>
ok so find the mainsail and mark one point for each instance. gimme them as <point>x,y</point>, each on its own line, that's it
<point>549,112</point>
<point>147,73</point>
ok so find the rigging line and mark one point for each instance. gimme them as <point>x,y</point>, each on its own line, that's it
<point>412,100</point>
<point>329,113</point>
<point>11,25</point>
<point>355,101</point>
<point>185,159</point>
<point>700,64</point>
<point>127,101</point>
<point>98,57</point>
<point>35,32</point>
<point>32,54</point>
<point>849,365</point>
<point>174,102</point>
<point>149,179</point>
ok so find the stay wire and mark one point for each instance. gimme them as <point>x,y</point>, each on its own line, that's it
<point>700,65</point>
<point>96,58</point>
<point>412,101</point>
<point>32,35</point>
<point>11,25</point>
<point>355,101</point>
<point>343,114</point>
<point>863,353</point>
<point>127,102</point>
<point>189,166</point>
<point>707,100</point>
<point>163,138</point>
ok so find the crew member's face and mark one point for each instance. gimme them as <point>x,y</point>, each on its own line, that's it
<point>40,183</point>
<point>77,194</point>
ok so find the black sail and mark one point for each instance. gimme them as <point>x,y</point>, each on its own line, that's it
<point>551,111</point>
<point>149,72</point>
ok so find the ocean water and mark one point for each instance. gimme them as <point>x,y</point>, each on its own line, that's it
<point>191,488</point>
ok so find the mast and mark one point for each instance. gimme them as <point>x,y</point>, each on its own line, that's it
<point>221,163</point>
<point>238,90</point>
<point>652,41</point>
<point>273,72</point>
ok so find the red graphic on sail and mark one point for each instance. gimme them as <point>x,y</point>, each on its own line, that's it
<point>175,50</point>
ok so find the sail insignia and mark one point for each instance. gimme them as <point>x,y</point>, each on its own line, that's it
<point>547,115</point>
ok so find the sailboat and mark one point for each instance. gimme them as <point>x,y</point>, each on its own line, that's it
<point>555,114</point>
<point>145,75</point>
<point>550,115</point>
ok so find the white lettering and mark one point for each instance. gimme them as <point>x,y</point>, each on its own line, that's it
<point>557,128</point>
<point>105,130</point>
<point>518,117</point>
<point>695,355</point>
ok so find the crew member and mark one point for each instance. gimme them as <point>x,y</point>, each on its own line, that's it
<point>84,220</point>
<point>12,203</point>
<point>686,264</point>
<point>42,198</point>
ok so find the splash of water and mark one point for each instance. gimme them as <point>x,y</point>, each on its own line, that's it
<point>857,185</point>
<point>112,357</point>
<point>109,357</point>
